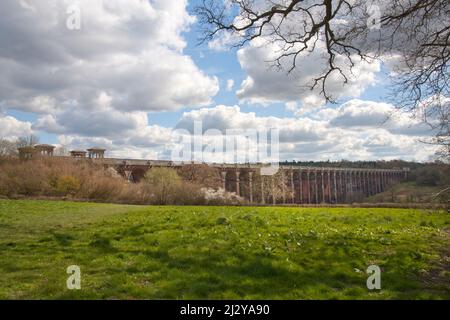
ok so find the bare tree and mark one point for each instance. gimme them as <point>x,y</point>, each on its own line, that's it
<point>413,33</point>
<point>27,141</point>
<point>201,174</point>
<point>61,151</point>
<point>7,148</point>
<point>163,183</point>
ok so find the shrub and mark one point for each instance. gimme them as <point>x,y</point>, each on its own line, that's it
<point>189,194</point>
<point>85,180</point>
<point>67,185</point>
<point>221,197</point>
<point>163,183</point>
<point>21,179</point>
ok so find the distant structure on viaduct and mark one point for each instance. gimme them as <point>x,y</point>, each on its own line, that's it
<point>300,185</point>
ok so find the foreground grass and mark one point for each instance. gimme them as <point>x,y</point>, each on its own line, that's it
<point>131,252</point>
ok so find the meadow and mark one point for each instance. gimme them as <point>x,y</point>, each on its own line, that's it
<point>169,252</point>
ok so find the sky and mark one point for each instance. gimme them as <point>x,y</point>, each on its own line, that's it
<point>134,71</point>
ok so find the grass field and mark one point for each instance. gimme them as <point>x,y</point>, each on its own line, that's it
<point>132,252</point>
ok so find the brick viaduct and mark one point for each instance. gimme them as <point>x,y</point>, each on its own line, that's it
<point>300,185</point>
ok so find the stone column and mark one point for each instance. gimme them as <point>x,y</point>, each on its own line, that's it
<point>386,179</point>
<point>366,182</point>
<point>323,187</point>
<point>329,187</point>
<point>238,185</point>
<point>347,190</point>
<point>361,183</point>
<point>335,188</point>
<point>224,180</point>
<point>292,187</point>
<point>274,200</point>
<point>283,186</point>
<point>263,200</point>
<point>300,182</point>
<point>380,184</point>
<point>373,191</point>
<point>309,186</point>
<point>316,189</point>
<point>250,185</point>
<point>374,182</point>
<point>357,183</point>
<point>351,185</point>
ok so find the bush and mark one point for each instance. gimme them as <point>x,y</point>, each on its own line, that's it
<point>67,185</point>
<point>189,194</point>
<point>27,180</point>
<point>164,183</point>
<point>85,180</point>
<point>221,197</point>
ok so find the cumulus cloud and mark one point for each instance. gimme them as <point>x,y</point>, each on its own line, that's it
<point>269,54</point>
<point>224,118</point>
<point>265,84</point>
<point>132,50</point>
<point>149,142</point>
<point>362,114</point>
<point>11,128</point>
<point>335,134</point>
<point>95,86</point>
<point>100,121</point>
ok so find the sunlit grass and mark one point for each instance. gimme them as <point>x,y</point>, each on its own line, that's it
<point>136,252</point>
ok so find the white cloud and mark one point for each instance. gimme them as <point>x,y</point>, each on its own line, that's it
<point>230,84</point>
<point>265,84</point>
<point>95,86</point>
<point>11,128</point>
<point>149,142</point>
<point>362,114</point>
<point>342,133</point>
<point>132,50</point>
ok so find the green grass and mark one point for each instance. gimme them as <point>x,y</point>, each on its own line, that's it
<point>132,252</point>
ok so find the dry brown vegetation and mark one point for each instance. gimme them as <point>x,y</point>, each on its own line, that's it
<point>84,180</point>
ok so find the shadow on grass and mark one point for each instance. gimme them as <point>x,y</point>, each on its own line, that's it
<point>254,276</point>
